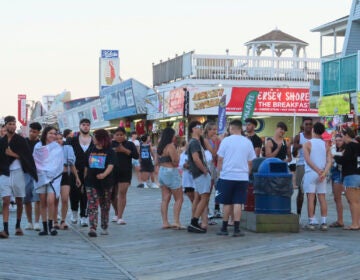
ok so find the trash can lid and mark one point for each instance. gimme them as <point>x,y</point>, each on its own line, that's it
<point>273,165</point>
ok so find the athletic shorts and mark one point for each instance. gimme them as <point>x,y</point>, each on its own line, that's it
<point>123,176</point>
<point>352,181</point>
<point>312,184</point>
<point>13,185</point>
<point>188,190</point>
<point>230,192</point>
<point>65,179</point>
<point>30,194</point>
<point>202,183</point>
<point>146,166</point>
<point>169,177</point>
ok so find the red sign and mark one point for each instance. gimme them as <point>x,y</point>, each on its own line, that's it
<point>273,100</point>
<point>22,110</point>
<point>175,100</point>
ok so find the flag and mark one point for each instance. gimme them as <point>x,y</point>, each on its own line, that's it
<point>249,105</point>
<point>222,115</point>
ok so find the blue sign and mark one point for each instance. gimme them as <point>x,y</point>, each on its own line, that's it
<point>109,53</point>
<point>222,115</point>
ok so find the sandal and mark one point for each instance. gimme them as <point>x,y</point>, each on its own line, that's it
<point>56,225</point>
<point>351,228</point>
<point>63,226</point>
<point>336,224</point>
<point>178,227</point>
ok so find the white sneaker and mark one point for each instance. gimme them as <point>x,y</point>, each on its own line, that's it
<point>37,227</point>
<point>315,221</point>
<point>104,232</point>
<point>114,219</point>
<point>121,222</point>
<point>146,186</point>
<point>29,226</point>
<point>74,217</point>
<point>154,185</point>
<point>84,222</point>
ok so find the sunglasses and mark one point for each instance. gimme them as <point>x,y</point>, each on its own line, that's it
<point>198,126</point>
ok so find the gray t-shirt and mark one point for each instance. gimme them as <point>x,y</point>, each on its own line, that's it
<point>195,146</point>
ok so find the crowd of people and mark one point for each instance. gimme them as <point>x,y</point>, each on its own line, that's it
<point>95,171</point>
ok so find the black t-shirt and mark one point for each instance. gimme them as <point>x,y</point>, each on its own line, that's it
<point>98,161</point>
<point>31,143</point>
<point>349,160</point>
<point>256,141</point>
<point>195,146</point>
<point>123,161</point>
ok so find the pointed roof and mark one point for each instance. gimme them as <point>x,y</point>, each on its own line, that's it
<point>277,35</point>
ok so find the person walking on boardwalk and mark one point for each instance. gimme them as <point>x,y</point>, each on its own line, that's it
<point>30,194</point>
<point>169,178</point>
<point>68,174</point>
<point>99,181</point>
<point>49,160</point>
<point>201,176</point>
<point>125,151</point>
<point>318,161</point>
<point>15,161</point>
<point>350,170</point>
<point>81,144</point>
<point>235,157</point>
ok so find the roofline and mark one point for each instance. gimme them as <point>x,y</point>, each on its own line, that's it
<point>328,25</point>
<point>281,42</point>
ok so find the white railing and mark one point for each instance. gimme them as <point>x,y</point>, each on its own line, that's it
<point>254,68</point>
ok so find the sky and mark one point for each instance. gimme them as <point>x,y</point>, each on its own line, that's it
<point>48,46</point>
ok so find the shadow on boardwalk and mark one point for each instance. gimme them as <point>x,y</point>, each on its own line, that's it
<point>142,250</point>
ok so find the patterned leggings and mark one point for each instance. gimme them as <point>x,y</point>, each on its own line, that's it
<point>96,198</point>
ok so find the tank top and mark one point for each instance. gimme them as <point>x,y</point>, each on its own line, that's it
<point>283,151</point>
<point>317,154</point>
<point>145,153</point>
<point>303,140</point>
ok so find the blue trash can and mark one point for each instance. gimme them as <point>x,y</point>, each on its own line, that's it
<point>273,187</point>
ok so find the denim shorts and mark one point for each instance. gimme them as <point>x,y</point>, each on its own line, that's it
<point>352,181</point>
<point>169,177</point>
<point>336,175</point>
<point>30,193</point>
<point>202,183</point>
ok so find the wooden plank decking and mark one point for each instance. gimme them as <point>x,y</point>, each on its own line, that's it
<point>142,250</point>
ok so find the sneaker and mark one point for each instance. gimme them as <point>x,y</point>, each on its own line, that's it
<point>92,233</point>
<point>221,232</point>
<point>74,217</point>
<point>84,222</point>
<point>238,233</point>
<point>140,186</point>
<point>121,222</point>
<point>146,186</point>
<point>104,231</point>
<point>29,226</point>
<point>53,232</point>
<point>43,233</point>
<point>323,227</point>
<point>114,219</point>
<point>217,214</point>
<point>195,229</point>
<point>154,185</point>
<point>4,235</point>
<point>310,227</point>
<point>315,222</point>
<point>37,227</point>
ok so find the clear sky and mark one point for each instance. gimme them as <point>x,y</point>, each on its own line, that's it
<point>49,45</point>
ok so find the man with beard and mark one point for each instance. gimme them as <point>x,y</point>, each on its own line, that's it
<point>15,160</point>
<point>30,194</point>
<point>82,145</point>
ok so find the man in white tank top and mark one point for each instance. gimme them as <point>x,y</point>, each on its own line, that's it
<point>318,160</point>
<point>299,140</point>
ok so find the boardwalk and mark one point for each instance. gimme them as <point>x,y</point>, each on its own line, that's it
<point>142,250</point>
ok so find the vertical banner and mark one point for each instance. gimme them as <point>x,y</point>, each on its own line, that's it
<point>249,105</point>
<point>109,68</point>
<point>186,103</point>
<point>22,110</point>
<point>222,115</point>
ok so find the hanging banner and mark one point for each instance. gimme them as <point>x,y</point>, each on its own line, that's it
<point>222,115</point>
<point>249,105</point>
<point>109,68</point>
<point>22,110</point>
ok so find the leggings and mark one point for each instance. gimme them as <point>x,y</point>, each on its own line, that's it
<point>78,195</point>
<point>96,198</point>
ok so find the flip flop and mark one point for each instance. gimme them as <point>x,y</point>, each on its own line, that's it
<point>178,227</point>
<point>166,227</point>
<point>336,225</point>
<point>350,228</point>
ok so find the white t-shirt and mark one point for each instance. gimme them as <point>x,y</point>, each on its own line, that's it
<point>236,151</point>
<point>136,142</point>
<point>187,179</point>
